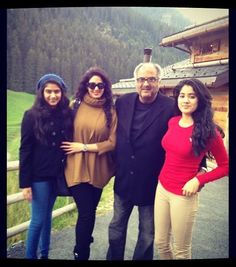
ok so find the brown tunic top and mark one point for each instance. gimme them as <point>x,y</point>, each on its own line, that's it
<point>90,127</point>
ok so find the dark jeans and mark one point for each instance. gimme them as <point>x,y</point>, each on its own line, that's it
<point>39,232</point>
<point>118,231</point>
<point>86,198</point>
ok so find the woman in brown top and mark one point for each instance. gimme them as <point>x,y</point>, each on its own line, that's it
<point>89,165</point>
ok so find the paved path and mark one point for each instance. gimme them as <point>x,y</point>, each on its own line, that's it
<point>210,237</point>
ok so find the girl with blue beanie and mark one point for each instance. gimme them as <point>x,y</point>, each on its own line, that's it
<point>44,126</point>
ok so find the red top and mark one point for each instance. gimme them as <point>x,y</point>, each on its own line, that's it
<point>180,163</point>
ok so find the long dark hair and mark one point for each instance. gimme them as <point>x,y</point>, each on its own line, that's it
<point>43,112</point>
<point>204,126</point>
<point>82,90</point>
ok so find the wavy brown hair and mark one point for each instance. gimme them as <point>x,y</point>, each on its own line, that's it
<point>82,90</point>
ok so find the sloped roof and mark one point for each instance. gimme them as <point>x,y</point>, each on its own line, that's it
<point>214,74</point>
<point>196,30</point>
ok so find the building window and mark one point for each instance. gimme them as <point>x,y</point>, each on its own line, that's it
<point>209,48</point>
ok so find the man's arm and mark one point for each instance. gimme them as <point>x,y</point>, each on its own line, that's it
<point>203,165</point>
<point>202,169</point>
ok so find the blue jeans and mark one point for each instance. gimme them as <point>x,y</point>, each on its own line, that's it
<point>118,230</point>
<point>39,232</point>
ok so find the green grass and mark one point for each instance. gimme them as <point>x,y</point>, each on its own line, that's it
<point>17,103</point>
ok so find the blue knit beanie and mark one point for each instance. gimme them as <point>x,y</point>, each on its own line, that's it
<point>51,78</point>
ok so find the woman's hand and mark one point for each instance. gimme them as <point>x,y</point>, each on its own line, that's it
<point>72,147</point>
<point>201,171</point>
<point>191,187</point>
<point>27,193</point>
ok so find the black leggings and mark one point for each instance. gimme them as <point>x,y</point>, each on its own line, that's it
<point>86,198</point>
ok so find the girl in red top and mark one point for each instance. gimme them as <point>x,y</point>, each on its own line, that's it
<point>189,137</point>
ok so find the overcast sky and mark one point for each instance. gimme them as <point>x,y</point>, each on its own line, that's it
<point>201,15</point>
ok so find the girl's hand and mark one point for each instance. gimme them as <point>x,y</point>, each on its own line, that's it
<point>191,187</point>
<point>72,147</point>
<point>27,193</point>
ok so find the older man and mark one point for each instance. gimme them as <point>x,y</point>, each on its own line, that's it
<point>142,122</point>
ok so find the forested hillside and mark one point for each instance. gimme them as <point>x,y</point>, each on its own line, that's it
<point>67,41</point>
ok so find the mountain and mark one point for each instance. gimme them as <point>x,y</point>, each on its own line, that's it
<point>68,41</point>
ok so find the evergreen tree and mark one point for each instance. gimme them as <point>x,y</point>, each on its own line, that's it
<point>68,41</point>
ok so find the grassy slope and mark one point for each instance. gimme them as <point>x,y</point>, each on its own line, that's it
<point>17,103</point>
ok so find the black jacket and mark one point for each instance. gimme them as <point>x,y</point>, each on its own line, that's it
<point>139,162</point>
<point>38,161</point>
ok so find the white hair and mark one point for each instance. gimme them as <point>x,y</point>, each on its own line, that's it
<point>157,66</point>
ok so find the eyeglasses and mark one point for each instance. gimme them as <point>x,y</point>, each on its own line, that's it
<point>149,79</point>
<point>93,85</point>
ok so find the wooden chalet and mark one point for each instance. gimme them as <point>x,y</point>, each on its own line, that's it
<point>208,48</point>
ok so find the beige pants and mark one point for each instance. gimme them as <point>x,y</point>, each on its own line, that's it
<point>174,216</point>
